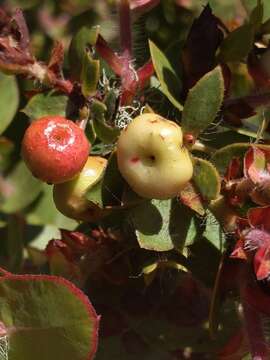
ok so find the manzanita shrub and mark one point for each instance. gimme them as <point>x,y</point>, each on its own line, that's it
<point>134,180</point>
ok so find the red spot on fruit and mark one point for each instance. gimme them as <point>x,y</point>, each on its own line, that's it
<point>135,159</point>
<point>55,149</point>
<point>153,121</point>
<point>189,139</point>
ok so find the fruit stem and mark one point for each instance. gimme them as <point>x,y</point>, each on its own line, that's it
<point>198,146</point>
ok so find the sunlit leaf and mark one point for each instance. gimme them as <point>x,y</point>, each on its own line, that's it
<point>170,83</point>
<point>203,102</point>
<point>206,179</point>
<point>46,104</point>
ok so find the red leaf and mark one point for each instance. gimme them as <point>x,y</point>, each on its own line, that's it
<point>191,198</point>
<point>257,299</point>
<point>57,58</point>
<point>239,252</point>
<point>260,217</point>
<point>255,238</point>
<point>78,242</point>
<point>203,40</point>
<point>255,164</point>
<point>234,170</point>
<point>235,348</point>
<point>261,263</point>
<point>23,29</point>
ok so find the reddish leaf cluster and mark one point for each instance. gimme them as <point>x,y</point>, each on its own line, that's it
<point>247,184</point>
<point>253,244</point>
<point>250,180</point>
<point>16,56</point>
<point>77,256</point>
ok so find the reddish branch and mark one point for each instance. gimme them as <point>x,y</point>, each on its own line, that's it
<point>16,56</point>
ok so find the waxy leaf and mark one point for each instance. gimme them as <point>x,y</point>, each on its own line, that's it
<point>9,100</point>
<point>106,133</point>
<point>86,37</point>
<point>46,104</point>
<point>170,83</point>
<point>21,189</point>
<point>214,232</point>
<point>89,75</point>
<point>113,183</point>
<point>206,179</point>
<point>237,44</point>
<point>161,225</point>
<point>203,102</point>
<point>46,317</point>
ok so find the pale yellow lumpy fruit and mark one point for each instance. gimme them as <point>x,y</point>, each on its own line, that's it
<point>69,197</point>
<point>151,157</point>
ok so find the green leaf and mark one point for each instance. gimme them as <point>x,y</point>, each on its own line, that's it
<point>256,16</point>
<point>213,232</point>
<point>6,148</point>
<point>223,156</point>
<point>90,132</point>
<point>22,189</point>
<point>250,5</point>
<point>170,83</point>
<point>203,102</point>
<point>237,44</point>
<point>9,100</point>
<point>86,37</point>
<point>157,224</point>
<point>14,243</point>
<point>111,102</point>
<point>113,183</point>
<point>106,133</point>
<point>89,75</point>
<point>45,212</point>
<point>46,104</point>
<point>206,179</point>
<point>46,317</point>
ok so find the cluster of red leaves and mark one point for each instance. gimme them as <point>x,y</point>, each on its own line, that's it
<point>247,184</point>
<point>79,256</point>
<point>249,180</point>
